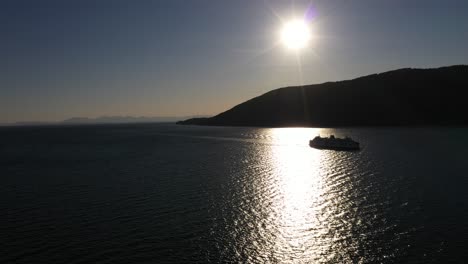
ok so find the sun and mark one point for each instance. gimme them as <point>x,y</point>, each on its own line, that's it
<point>295,34</point>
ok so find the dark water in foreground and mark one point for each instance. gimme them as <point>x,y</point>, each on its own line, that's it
<point>166,193</point>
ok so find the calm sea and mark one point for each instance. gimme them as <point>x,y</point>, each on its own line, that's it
<point>158,193</point>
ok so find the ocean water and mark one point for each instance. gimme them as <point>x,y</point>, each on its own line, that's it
<point>154,193</point>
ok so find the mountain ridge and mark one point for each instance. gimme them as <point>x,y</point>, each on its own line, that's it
<point>407,96</point>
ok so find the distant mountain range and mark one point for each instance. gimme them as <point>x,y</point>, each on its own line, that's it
<point>404,97</point>
<point>103,120</point>
<point>119,119</point>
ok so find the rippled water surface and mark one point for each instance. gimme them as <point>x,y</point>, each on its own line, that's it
<point>167,193</point>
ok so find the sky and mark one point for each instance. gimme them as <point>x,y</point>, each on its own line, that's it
<point>88,58</point>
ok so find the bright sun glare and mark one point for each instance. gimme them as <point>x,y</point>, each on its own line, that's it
<point>295,34</point>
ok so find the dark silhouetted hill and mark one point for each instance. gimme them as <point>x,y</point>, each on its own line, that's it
<point>401,97</point>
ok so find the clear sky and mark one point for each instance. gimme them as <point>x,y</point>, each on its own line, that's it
<point>89,58</point>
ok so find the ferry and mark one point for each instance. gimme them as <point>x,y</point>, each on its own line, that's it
<point>334,143</point>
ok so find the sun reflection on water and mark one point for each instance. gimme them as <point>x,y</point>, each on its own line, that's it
<point>293,203</point>
<point>297,168</point>
<point>297,220</point>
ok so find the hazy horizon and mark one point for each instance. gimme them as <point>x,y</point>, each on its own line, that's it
<point>107,119</point>
<point>179,58</point>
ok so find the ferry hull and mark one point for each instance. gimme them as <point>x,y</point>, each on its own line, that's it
<point>337,148</point>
